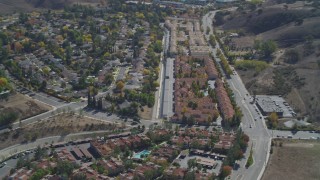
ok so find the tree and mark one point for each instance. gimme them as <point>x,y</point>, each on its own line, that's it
<point>226,171</point>
<point>108,79</point>
<point>250,159</point>
<point>39,153</point>
<point>273,119</point>
<point>292,56</point>
<point>120,85</point>
<point>68,55</point>
<point>190,175</point>
<point>3,83</point>
<point>157,47</point>
<point>39,174</point>
<point>267,48</point>
<point>65,168</point>
<point>208,30</point>
<point>79,176</point>
<point>192,163</point>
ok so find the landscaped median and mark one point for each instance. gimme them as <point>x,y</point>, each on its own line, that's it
<point>250,159</point>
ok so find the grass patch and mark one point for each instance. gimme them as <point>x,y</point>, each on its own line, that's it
<point>258,66</point>
<point>250,159</point>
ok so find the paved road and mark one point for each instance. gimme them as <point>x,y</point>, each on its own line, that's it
<point>16,149</point>
<point>259,135</point>
<point>156,111</point>
<point>166,99</point>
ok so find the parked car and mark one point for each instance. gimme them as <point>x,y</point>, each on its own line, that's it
<point>3,164</point>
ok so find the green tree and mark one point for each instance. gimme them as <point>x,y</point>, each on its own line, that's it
<point>192,163</point>
<point>39,153</point>
<point>292,56</point>
<point>250,159</point>
<point>65,168</point>
<point>266,48</point>
<point>39,174</point>
<point>79,176</point>
<point>108,79</point>
<point>273,120</point>
<point>157,47</point>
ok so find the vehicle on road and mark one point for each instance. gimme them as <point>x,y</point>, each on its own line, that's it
<point>250,126</point>
<point>3,164</point>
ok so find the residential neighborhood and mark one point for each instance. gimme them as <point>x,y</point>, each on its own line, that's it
<point>159,89</point>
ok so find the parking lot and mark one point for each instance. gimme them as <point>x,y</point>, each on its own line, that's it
<point>268,104</point>
<point>183,162</point>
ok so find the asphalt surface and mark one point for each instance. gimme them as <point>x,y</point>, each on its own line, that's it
<point>158,105</point>
<point>164,72</point>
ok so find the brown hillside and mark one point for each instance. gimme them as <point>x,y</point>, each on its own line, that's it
<point>11,6</point>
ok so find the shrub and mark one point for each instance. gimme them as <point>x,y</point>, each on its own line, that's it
<point>258,66</point>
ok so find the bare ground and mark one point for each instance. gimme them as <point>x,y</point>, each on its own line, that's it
<point>146,113</point>
<point>295,160</point>
<point>62,124</point>
<point>23,105</point>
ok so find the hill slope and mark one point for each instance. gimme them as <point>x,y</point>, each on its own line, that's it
<point>10,6</point>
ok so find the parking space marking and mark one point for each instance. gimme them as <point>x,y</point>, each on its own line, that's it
<point>254,143</point>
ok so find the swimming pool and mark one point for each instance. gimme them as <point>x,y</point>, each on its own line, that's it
<point>143,153</point>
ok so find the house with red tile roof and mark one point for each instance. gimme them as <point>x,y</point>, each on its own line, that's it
<point>190,104</point>
<point>224,101</point>
<point>65,155</point>
<point>21,174</point>
<point>113,166</point>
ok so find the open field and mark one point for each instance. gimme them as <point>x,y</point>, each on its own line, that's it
<point>25,106</point>
<point>58,125</point>
<point>295,160</point>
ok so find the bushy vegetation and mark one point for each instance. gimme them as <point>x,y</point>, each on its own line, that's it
<point>273,120</point>
<point>7,118</point>
<point>224,63</point>
<point>238,149</point>
<point>258,66</point>
<point>212,40</point>
<point>142,98</point>
<point>250,159</point>
<point>284,79</point>
<point>292,56</point>
<point>265,48</point>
